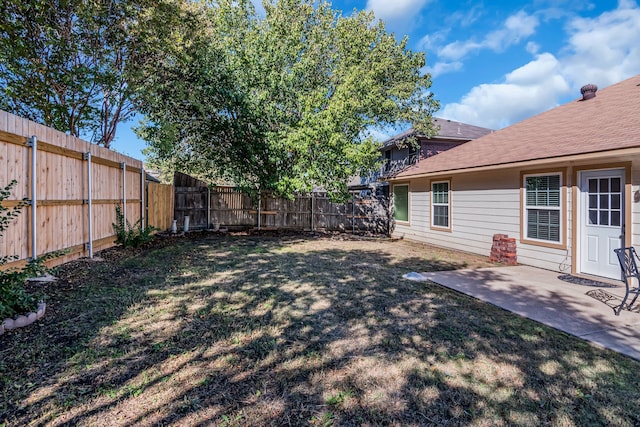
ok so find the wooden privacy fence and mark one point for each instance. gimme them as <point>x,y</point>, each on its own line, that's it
<point>73,186</point>
<point>225,207</point>
<point>159,200</point>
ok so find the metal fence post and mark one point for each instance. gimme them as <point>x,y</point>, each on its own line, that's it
<point>33,143</point>
<point>123,165</point>
<point>143,214</point>
<point>87,157</point>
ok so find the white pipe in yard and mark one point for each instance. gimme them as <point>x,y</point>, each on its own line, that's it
<point>33,142</point>
<point>87,157</point>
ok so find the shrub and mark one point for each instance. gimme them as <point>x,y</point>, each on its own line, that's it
<point>131,235</point>
<point>14,299</point>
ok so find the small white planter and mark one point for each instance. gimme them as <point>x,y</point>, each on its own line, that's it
<point>8,324</point>
<point>42,307</point>
<point>23,320</point>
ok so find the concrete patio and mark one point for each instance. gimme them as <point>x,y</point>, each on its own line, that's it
<point>579,307</point>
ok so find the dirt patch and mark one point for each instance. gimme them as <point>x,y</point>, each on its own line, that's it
<point>292,329</point>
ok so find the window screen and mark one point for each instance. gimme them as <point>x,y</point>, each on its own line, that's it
<point>542,205</point>
<point>440,204</point>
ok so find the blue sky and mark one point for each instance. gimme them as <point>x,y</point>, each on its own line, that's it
<point>495,63</point>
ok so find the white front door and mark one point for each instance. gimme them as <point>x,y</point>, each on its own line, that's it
<point>602,221</point>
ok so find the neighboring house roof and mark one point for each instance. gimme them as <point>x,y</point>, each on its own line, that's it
<point>152,176</point>
<point>609,121</point>
<point>447,130</point>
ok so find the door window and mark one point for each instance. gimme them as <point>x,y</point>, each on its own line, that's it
<point>605,201</point>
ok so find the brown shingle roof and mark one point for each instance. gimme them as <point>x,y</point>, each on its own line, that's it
<point>456,130</point>
<point>447,129</point>
<point>610,121</point>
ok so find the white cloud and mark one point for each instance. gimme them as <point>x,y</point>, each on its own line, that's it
<point>397,11</point>
<point>604,50</point>
<point>530,89</point>
<point>441,68</point>
<point>601,50</point>
<point>433,40</point>
<point>533,48</point>
<point>515,28</point>
<point>465,18</point>
<point>458,49</point>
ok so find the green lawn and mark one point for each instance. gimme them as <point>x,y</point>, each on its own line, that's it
<point>296,330</point>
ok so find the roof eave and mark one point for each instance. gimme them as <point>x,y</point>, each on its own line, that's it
<point>521,164</point>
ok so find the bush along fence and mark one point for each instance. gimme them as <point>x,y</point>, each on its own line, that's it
<point>224,207</point>
<point>72,186</point>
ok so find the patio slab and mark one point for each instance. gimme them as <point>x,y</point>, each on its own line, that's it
<point>580,308</point>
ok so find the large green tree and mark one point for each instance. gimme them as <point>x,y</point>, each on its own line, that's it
<point>283,102</point>
<point>74,65</point>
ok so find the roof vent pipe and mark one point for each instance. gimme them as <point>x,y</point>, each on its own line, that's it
<point>588,91</point>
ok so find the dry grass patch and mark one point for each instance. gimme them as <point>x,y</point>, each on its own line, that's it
<point>295,330</point>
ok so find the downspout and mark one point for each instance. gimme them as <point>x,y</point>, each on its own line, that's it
<point>87,157</point>
<point>33,143</point>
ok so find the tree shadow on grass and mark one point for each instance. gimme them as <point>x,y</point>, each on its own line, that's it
<point>295,331</point>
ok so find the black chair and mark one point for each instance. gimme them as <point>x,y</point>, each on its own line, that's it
<point>627,258</point>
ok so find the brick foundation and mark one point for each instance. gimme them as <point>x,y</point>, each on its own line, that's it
<point>503,250</point>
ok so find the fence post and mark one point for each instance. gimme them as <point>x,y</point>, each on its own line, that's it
<point>143,180</point>
<point>353,213</point>
<point>208,206</point>
<point>33,143</point>
<point>87,157</point>
<point>123,165</point>
<point>313,199</point>
<point>259,208</point>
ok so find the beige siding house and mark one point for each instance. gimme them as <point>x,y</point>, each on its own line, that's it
<point>565,184</point>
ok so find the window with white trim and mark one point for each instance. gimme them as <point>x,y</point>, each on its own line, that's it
<point>543,213</point>
<point>401,202</point>
<point>440,204</point>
